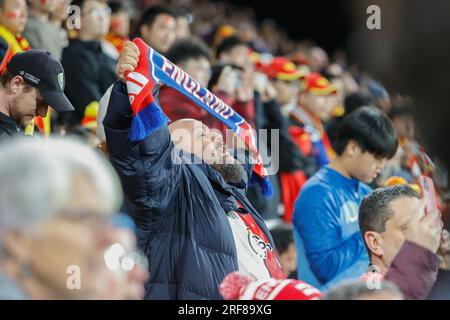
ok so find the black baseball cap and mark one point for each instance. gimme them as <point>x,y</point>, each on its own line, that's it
<point>40,69</point>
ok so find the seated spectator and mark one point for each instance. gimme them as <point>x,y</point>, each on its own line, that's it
<point>400,236</point>
<point>193,57</point>
<point>359,290</point>
<point>55,237</point>
<point>326,212</point>
<point>236,52</point>
<point>284,243</point>
<point>40,31</point>
<point>89,71</point>
<point>13,18</point>
<point>157,27</point>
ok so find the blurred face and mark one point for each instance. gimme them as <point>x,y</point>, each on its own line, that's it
<point>363,165</point>
<point>404,126</point>
<point>45,6</point>
<point>26,102</point>
<point>199,69</point>
<point>61,9</point>
<point>387,244</point>
<point>13,15</point>
<point>183,31</point>
<point>95,19</point>
<point>238,56</point>
<point>288,259</point>
<point>120,24</point>
<point>287,91</point>
<point>161,34</point>
<point>320,106</point>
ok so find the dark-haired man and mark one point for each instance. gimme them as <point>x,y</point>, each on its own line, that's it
<point>401,239</point>
<point>33,80</point>
<point>89,70</point>
<point>157,27</point>
<point>326,212</point>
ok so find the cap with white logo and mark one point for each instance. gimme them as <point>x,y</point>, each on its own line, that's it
<point>40,69</point>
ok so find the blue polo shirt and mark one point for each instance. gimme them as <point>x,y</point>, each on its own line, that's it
<point>325,220</point>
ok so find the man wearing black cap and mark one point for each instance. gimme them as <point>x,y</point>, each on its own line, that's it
<point>32,81</point>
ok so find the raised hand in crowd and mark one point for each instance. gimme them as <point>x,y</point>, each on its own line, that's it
<point>425,229</point>
<point>128,59</point>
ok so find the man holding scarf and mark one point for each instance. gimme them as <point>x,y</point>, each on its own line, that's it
<point>194,221</point>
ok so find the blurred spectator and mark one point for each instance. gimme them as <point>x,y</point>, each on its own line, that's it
<point>284,243</point>
<point>32,81</point>
<point>326,212</point>
<point>157,27</point>
<point>53,224</point>
<point>317,59</point>
<point>359,290</point>
<point>401,239</point>
<point>307,129</point>
<point>40,31</point>
<point>13,18</point>
<point>120,26</point>
<point>285,78</point>
<point>89,71</point>
<point>183,19</point>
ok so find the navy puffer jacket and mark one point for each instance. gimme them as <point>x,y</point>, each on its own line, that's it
<point>179,209</point>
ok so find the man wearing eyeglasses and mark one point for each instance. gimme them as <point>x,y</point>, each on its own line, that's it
<point>89,70</point>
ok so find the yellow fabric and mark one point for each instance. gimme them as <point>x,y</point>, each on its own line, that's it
<point>12,41</point>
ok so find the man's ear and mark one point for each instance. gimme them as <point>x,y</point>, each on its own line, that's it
<point>16,84</point>
<point>374,243</point>
<point>352,149</point>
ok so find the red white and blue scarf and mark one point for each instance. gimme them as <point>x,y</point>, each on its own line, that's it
<point>153,69</point>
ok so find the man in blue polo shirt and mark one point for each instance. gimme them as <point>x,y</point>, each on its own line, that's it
<point>329,244</point>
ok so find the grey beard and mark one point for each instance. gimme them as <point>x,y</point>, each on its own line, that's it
<point>231,173</point>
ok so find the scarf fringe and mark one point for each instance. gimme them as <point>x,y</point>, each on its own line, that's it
<point>264,184</point>
<point>147,121</point>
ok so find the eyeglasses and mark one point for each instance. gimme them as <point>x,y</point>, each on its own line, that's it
<point>99,12</point>
<point>116,258</point>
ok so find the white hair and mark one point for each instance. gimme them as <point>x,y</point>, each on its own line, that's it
<point>36,175</point>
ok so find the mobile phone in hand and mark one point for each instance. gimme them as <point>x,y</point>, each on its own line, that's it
<point>429,194</point>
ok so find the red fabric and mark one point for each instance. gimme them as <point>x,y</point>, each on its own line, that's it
<point>291,184</point>
<point>271,260</point>
<point>237,285</point>
<point>177,106</point>
<point>301,139</point>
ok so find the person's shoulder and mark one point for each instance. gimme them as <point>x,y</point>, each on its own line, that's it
<point>318,185</point>
<point>364,189</point>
